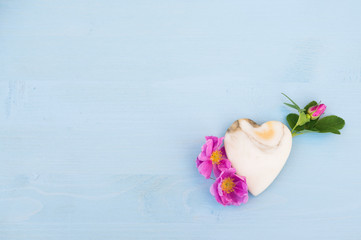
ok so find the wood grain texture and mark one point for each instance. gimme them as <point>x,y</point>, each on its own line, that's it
<point>104,105</point>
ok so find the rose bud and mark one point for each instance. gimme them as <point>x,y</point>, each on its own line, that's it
<point>316,111</point>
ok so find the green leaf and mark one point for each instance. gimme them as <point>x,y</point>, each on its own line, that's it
<point>331,121</point>
<point>335,131</point>
<point>311,104</point>
<point>302,120</point>
<point>292,119</point>
<point>295,105</point>
<point>292,106</point>
<point>296,122</point>
<point>310,125</point>
<point>330,124</point>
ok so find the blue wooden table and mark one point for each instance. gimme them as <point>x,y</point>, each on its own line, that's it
<point>104,106</point>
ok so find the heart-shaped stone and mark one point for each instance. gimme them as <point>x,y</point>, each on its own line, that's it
<point>258,152</point>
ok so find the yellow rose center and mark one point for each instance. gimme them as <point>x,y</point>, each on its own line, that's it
<point>228,185</point>
<point>216,157</point>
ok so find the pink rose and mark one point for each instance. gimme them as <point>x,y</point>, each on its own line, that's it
<point>213,156</point>
<point>230,189</point>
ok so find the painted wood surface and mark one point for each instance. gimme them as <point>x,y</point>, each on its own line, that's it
<point>104,106</point>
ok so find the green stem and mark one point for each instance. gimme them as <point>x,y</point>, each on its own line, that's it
<point>295,134</point>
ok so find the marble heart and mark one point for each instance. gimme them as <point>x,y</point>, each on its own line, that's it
<point>258,152</point>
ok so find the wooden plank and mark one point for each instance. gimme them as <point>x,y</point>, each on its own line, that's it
<point>104,106</point>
